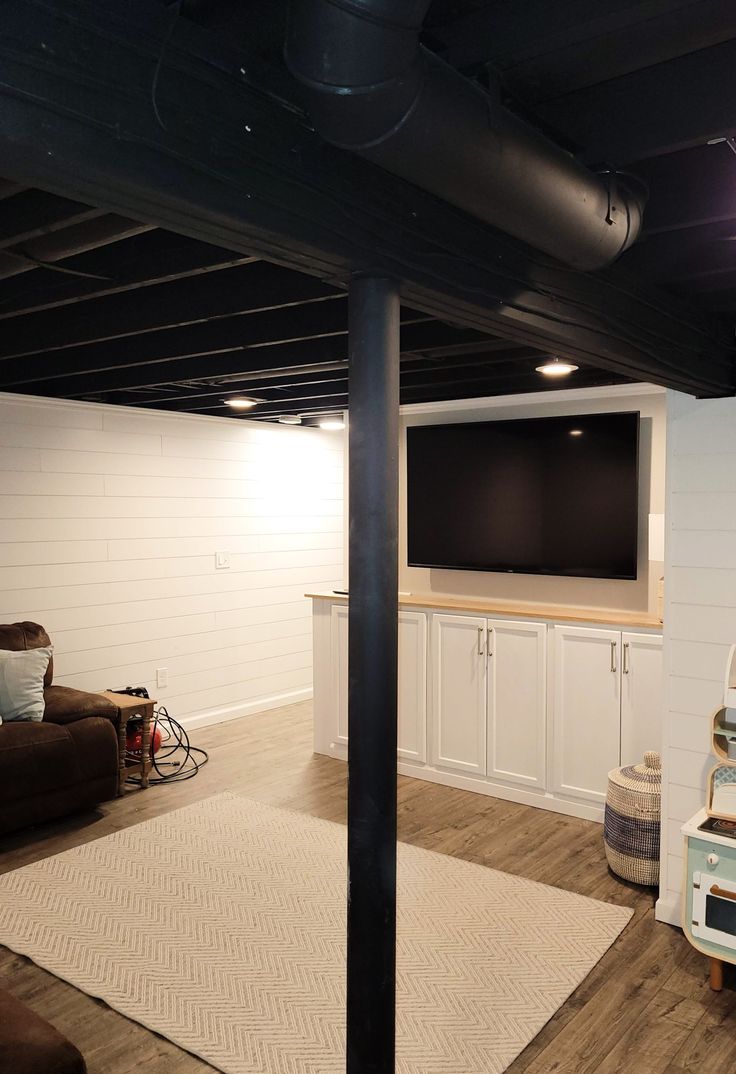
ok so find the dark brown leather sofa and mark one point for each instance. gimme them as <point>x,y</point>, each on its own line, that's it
<point>68,761</point>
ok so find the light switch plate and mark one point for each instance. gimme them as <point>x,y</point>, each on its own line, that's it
<point>222,560</point>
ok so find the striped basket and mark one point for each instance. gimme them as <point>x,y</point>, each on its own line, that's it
<point>631,826</point>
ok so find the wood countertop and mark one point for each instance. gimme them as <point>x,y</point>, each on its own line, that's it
<point>557,612</point>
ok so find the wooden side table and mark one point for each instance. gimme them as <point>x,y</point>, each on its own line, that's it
<point>130,707</point>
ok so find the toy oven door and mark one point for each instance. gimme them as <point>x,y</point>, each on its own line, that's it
<point>714,909</point>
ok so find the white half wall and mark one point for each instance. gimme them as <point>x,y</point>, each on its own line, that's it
<point>700,611</point>
<point>110,519</point>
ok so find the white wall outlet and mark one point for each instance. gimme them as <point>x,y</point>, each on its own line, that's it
<point>162,678</point>
<point>222,560</point>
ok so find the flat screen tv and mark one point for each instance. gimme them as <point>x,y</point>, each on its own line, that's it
<point>532,495</point>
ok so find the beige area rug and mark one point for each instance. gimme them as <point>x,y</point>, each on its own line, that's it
<point>221,926</point>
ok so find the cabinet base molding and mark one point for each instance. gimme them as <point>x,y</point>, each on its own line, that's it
<point>539,799</point>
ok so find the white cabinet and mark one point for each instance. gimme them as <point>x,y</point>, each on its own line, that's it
<point>459,693</point>
<point>412,682</point>
<point>607,705</point>
<point>480,706</point>
<point>488,698</point>
<point>642,696</point>
<point>517,695</point>
<point>412,729</point>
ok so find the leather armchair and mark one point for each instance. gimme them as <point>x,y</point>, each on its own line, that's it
<point>68,761</point>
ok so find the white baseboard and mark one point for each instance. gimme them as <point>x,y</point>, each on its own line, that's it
<point>668,909</point>
<point>247,708</point>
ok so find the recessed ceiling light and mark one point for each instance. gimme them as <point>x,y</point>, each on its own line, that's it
<point>576,432</point>
<point>240,402</point>
<point>332,424</point>
<point>290,419</point>
<point>556,368</point>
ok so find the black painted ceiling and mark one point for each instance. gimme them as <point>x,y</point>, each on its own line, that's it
<point>93,306</point>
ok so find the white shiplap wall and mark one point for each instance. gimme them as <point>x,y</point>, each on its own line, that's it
<point>700,610</point>
<point>109,524</point>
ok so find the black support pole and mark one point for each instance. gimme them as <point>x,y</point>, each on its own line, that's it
<point>373,643</point>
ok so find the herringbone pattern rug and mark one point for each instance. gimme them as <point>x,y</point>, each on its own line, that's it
<point>221,926</point>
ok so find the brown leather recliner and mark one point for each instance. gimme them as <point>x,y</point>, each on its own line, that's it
<point>68,761</point>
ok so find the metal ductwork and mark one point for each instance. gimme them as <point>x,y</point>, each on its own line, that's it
<point>371,88</point>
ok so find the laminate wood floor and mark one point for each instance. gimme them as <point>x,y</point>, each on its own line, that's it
<point>645,1009</point>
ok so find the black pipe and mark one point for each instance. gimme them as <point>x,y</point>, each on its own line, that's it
<point>372,89</point>
<point>373,341</point>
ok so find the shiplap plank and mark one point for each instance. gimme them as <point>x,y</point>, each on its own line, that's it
<point>699,697</point>
<point>705,473</point>
<point>214,678</point>
<point>228,582</point>
<point>702,585</point>
<point>87,639</point>
<point>250,550</point>
<point>258,473</point>
<point>688,732</point>
<point>259,595</point>
<point>117,529</point>
<point>684,800</point>
<point>284,498</point>
<point>28,412</point>
<point>45,552</point>
<point>706,428</point>
<point>77,441</point>
<point>36,505</point>
<point>199,448</point>
<point>700,548</point>
<point>46,576</point>
<point>262,688</point>
<point>186,646</point>
<point>71,639</point>
<point>20,459</point>
<point>697,659</point>
<point>50,485</point>
<point>692,622</point>
<point>703,511</point>
<point>687,768</point>
<point>236,663</point>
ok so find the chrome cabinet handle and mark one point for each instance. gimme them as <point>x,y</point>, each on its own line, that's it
<point>481,632</point>
<point>613,656</point>
<point>625,668</point>
<point>489,636</point>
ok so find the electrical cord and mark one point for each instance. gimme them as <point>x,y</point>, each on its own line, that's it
<point>175,753</point>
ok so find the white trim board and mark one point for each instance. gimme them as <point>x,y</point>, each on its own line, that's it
<point>667,910</point>
<point>563,395</point>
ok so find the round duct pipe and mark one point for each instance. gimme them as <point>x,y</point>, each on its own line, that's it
<point>371,88</point>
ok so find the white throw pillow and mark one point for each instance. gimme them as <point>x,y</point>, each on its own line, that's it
<point>21,683</point>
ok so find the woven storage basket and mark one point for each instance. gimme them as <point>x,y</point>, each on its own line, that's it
<point>632,820</point>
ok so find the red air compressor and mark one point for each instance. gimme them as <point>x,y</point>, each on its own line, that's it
<point>134,739</point>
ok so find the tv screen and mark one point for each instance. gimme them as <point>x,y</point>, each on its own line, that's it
<point>533,495</point>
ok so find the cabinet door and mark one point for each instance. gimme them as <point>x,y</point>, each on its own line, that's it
<point>587,710</point>
<point>642,696</point>
<point>339,663</point>
<point>412,728</point>
<point>459,693</point>
<point>517,694</point>
<point>412,684</point>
